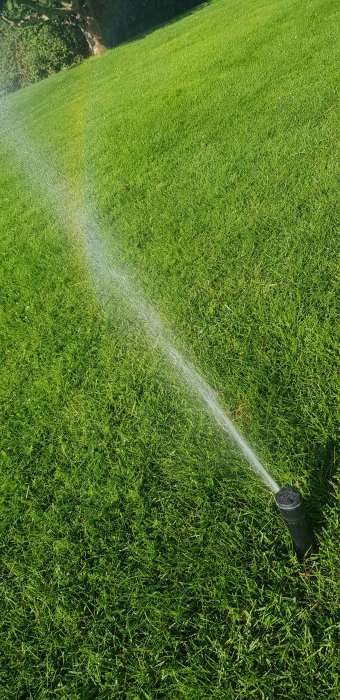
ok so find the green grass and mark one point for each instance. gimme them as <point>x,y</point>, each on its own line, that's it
<point>140,556</point>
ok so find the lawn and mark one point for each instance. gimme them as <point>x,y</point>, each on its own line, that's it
<point>141,558</point>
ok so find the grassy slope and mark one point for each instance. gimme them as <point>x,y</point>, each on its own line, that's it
<point>137,562</point>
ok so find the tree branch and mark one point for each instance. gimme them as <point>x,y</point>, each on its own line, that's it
<point>33,19</point>
<point>42,14</point>
<point>43,10</point>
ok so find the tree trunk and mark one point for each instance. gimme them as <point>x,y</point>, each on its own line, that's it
<point>91,30</point>
<point>93,40</point>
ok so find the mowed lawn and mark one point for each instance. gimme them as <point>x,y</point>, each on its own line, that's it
<point>140,557</point>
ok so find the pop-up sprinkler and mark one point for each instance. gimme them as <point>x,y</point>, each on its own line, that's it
<point>289,502</point>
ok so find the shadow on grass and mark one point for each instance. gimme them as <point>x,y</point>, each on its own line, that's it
<point>321,483</point>
<point>113,40</point>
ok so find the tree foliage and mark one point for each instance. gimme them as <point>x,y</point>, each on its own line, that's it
<point>28,55</point>
<point>79,14</point>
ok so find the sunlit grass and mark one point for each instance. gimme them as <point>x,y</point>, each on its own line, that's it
<point>140,557</point>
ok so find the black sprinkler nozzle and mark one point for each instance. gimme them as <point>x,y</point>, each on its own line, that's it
<point>289,502</point>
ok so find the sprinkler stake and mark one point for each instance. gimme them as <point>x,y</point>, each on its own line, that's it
<point>289,502</point>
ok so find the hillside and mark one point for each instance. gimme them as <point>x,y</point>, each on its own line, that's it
<point>141,556</point>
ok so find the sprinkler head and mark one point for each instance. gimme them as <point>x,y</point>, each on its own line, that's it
<point>289,502</point>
